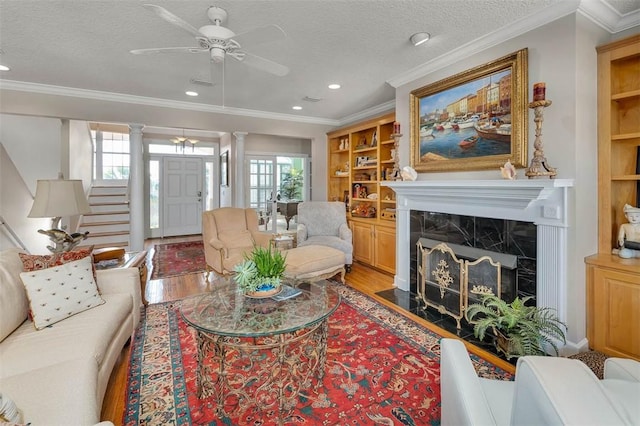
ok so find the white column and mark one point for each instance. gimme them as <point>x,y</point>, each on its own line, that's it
<point>403,250</point>
<point>551,271</point>
<point>238,184</point>
<point>136,188</point>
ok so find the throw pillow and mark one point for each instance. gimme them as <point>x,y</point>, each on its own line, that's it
<point>61,291</point>
<point>34,262</point>
<point>9,411</point>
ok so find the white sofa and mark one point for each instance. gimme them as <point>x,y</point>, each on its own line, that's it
<point>58,375</point>
<point>546,391</point>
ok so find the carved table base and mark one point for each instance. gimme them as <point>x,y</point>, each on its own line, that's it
<point>264,372</point>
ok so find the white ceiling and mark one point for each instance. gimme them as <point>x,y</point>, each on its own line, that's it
<point>361,44</point>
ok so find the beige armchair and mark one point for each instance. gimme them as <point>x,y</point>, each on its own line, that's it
<point>228,233</point>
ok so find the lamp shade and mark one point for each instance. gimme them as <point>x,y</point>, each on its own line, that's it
<point>59,197</point>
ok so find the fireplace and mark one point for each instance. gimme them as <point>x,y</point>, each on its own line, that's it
<point>541,203</point>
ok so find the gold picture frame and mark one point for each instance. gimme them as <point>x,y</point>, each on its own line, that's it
<point>473,120</point>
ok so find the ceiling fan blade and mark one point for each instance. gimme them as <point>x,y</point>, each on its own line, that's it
<point>173,19</point>
<point>261,63</point>
<point>259,35</point>
<point>168,50</point>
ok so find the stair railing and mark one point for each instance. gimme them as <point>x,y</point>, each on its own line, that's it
<point>6,229</point>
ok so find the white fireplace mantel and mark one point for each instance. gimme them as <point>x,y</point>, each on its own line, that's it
<point>544,202</point>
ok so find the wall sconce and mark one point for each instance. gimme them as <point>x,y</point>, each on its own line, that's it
<point>57,198</point>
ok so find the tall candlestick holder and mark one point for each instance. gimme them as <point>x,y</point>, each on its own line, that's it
<point>539,166</point>
<point>396,157</point>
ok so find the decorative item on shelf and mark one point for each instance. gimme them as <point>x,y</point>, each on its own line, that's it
<point>408,173</point>
<point>372,196</point>
<point>508,171</point>
<point>56,198</point>
<point>360,161</point>
<point>629,233</point>
<point>361,176</point>
<point>341,147</point>
<point>362,143</point>
<point>260,274</point>
<point>374,139</point>
<point>388,214</point>
<point>364,210</point>
<point>519,329</point>
<point>539,166</point>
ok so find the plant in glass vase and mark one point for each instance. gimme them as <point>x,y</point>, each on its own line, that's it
<point>260,274</point>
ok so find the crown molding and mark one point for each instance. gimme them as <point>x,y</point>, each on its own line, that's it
<point>156,102</point>
<point>368,113</point>
<point>518,27</point>
<point>605,16</point>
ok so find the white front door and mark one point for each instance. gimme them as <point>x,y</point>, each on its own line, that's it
<point>182,196</point>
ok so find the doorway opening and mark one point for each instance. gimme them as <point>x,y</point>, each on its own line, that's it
<point>276,184</point>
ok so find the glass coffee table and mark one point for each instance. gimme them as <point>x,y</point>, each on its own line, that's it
<point>259,353</point>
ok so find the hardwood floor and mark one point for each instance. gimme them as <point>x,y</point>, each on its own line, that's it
<point>361,277</point>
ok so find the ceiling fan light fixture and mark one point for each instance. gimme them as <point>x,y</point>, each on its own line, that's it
<point>419,38</point>
<point>217,55</point>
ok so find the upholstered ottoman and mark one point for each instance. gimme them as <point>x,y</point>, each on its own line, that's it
<point>312,263</point>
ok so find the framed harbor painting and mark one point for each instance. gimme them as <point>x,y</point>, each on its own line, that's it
<point>473,120</point>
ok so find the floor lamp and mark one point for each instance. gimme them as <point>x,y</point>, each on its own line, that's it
<point>57,198</point>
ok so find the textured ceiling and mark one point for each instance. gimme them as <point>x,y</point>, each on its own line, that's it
<point>359,44</point>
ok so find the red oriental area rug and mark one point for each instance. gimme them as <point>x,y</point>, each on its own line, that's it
<point>170,260</point>
<point>382,368</point>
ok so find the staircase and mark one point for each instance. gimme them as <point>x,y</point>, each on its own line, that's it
<point>108,223</point>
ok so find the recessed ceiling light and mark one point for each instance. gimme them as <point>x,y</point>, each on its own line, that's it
<point>334,86</point>
<point>418,38</point>
<point>4,68</point>
<point>191,93</point>
<point>296,107</point>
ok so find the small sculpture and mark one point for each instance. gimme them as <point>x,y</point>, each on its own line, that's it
<point>408,173</point>
<point>508,171</point>
<point>62,240</point>
<point>629,233</point>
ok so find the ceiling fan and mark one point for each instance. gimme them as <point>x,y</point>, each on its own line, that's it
<point>220,41</point>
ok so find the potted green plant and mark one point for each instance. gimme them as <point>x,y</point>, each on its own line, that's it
<point>520,329</point>
<point>260,274</point>
<point>291,186</point>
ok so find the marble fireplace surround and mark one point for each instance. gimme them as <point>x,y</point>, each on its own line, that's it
<point>542,202</point>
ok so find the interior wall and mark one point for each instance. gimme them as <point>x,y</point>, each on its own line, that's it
<point>15,203</point>
<point>98,110</point>
<point>561,54</point>
<point>34,144</point>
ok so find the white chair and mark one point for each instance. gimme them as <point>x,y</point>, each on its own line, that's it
<point>324,223</point>
<point>546,391</point>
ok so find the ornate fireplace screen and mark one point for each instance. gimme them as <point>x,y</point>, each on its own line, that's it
<point>451,276</point>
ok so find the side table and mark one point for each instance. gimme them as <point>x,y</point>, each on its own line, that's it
<point>130,259</point>
<point>283,242</point>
